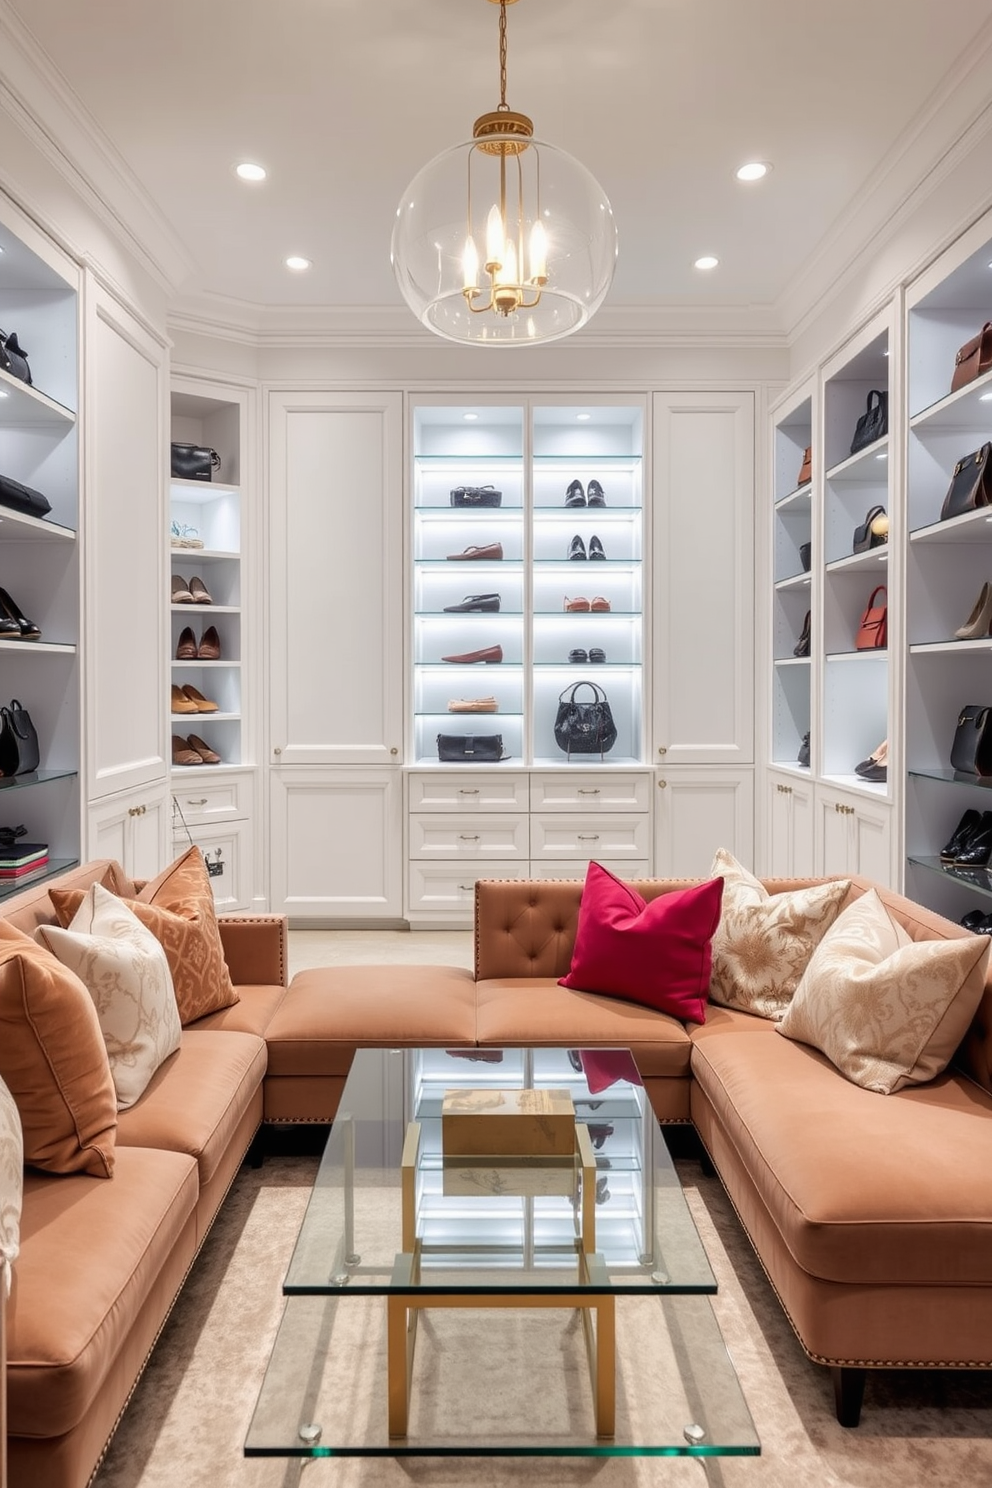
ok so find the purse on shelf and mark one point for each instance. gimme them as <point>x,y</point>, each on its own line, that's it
<point>873,423</point>
<point>873,531</point>
<point>801,648</point>
<point>873,632</point>
<point>476,496</point>
<point>19,753</point>
<point>193,462</point>
<point>973,358</point>
<point>806,555</point>
<point>22,498</point>
<point>971,748</point>
<point>971,484</point>
<point>806,468</point>
<point>802,758</point>
<point>470,749</point>
<point>13,358</point>
<point>585,727</point>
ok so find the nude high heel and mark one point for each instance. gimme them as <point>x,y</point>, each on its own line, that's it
<point>978,622</point>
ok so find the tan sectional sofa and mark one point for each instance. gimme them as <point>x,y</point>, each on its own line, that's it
<point>871,1214</point>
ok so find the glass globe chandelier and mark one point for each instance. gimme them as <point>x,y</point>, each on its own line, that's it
<point>504,240</point>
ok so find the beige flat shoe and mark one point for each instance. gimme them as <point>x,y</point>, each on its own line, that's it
<point>199,591</point>
<point>200,704</point>
<point>181,703</point>
<point>205,755</point>
<point>473,705</point>
<point>181,593</point>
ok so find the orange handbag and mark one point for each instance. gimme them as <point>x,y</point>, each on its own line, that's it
<point>973,359</point>
<point>873,632</point>
<point>806,468</point>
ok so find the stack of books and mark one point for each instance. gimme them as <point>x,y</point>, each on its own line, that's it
<point>22,860</point>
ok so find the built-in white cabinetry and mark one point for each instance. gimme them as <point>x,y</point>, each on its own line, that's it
<point>853,835</point>
<point>40,557</point>
<point>217,813</point>
<point>790,827</point>
<point>696,811</point>
<point>334,625</point>
<point>133,828</point>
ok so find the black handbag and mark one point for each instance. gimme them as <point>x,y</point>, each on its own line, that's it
<point>806,555</point>
<point>476,496</point>
<point>23,498</point>
<point>470,749</point>
<point>13,357</point>
<point>873,423</point>
<point>971,484</point>
<point>194,462</point>
<point>866,537</point>
<point>584,728</point>
<point>971,749</point>
<point>802,758</point>
<point>18,741</point>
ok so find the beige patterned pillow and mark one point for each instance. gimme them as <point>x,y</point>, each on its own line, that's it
<point>11,1186</point>
<point>887,1010</point>
<point>764,941</point>
<point>126,972</point>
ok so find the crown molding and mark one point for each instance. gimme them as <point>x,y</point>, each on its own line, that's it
<point>953,122</point>
<point>40,101</point>
<point>325,325</point>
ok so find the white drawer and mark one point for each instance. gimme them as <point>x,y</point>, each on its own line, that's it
<point>577,869</point>
<point>468,792</point>
<point>575,790</point>
<point>447,890</point>
<point>470,837</point>
<point>567,838</point>
<point>221,799</point>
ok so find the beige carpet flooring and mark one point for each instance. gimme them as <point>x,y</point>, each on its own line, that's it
<point>187,1422</point>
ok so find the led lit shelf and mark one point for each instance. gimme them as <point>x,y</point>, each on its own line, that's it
<point>36,777</point>
<point>857,470</point>
<point>857,783</point>
<point>859,560</point>
<point>24,404</point>
<point>585,513</point>
<point>943,648</point>
<point>206,665</point>
<point>953,777</point>
<point>191,718</point>
<point>878,653</point>
<point>970,527</point>
<point>36,648</point>
<point>193,491</point>
<point>198,611</point>
<point>969,878</point>
<point>54,866</point>
<point>794,581</point>
<point>958,410</point>
<point>191,556</point>
<point>796,502</point>
<point>571,565</point>
<point>792,661</point>
<point>19,527</point>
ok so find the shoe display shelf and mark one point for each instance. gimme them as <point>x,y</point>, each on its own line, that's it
<point>39,556</point>
<point>948,562</point>
<point>792,585</point>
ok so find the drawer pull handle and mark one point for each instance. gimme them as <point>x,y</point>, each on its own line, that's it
<point>468,837</point>
<point>201,802</point>
<point>468,790</point>
<point>589,790</point>
<point>466,888</point>
<point>588,836</point>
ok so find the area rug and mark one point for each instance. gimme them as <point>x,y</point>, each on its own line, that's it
<point>187,1422</point>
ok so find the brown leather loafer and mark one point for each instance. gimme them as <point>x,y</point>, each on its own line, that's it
<point>205,755</point>
<point>181,703</point>
<point>492,551</point>
<point>209,647</point>
<point>488,653</point>
<point>200,703</point>
<point>186,650</point>
<point>182,754</point>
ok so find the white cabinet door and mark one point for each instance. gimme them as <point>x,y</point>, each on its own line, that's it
<point>854,836</point>
<point>226,849</point>
<point>702,580</point>
<point>335,838</point>
<point>335,620</point>
<point>790,835</point>
<point>126,699</point>
<point>134,829</point>
<point>697,811</point>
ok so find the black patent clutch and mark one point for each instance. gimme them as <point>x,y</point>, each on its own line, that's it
<point>476,496</point>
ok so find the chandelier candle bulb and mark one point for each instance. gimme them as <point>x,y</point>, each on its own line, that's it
<point>538,254</point>
<point>470,267</point>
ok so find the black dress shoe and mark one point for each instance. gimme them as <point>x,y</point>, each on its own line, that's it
<point>977,848</point>
<point>577,548</point>
<point>877,774</point>
<point>801,648</point>
<point>474,602</point>
<point>597,654</point>
<point>964,829</point>
<point>574,494</point>
<point>975,920</point>
<point>578,655</point>
<point>26,629</point>
<point>596,548</point>
<point>595,495</point>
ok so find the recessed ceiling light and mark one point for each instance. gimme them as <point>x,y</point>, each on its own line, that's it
<point>250,172</point>
<point>583,418</point>
<point>297,263</point>
<point>753,170</point>
<point>706,262</point>
<point>470,417</point>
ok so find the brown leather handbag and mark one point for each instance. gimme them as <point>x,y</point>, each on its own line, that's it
<point>971,484</point>
<point>873,632</point>
<point>806,468</point>
<point>973,358</point>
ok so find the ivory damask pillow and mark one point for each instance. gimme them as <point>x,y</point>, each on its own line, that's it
<point>178,908</point>
<point>887,1010</point>
<point>11,1186</point>
<point>126,972</point>
<point>763,942</point>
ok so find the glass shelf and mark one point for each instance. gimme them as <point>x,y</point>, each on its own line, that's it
<point>969,878</point>
<point>586,614</point>
<point>570,565</point>
<point>54,866</point>
<point>36,777</point>
<point>595,666</point>
<point>446,462</point>
<point>953,777</point>
<point>585,513</point>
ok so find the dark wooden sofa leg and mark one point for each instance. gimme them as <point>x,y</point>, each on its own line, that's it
<point>849,1392</point>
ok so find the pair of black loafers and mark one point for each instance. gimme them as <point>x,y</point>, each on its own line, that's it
<point>580,656</point>
<point>577,549</point>
<point>970,845</point>
<point>591,496</point>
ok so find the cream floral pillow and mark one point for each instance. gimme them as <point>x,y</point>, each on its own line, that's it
<point>764,941</point>
<point>11,1186</point>
<point>126,972</point>
<point>887,1010</point>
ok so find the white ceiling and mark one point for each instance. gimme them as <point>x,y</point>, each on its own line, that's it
<point>344,100</point>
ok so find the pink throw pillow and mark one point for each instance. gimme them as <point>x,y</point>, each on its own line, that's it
<point>657,954</point>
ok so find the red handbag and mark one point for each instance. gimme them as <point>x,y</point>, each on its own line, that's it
<point>806,468</point>
<point>873,632</point>
<point>973,358</point>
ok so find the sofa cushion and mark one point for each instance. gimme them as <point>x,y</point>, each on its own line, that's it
<point>763,942</point>
<point>861,1190</point>
<point>656,953</point>
<point>178,908</point>
<point>538,1011</point>
<point>195,1102</point>
<point>90,1255</point>
<point>125,971</point>
<point>11,1186</point>
<point>54,1061</point>
<point>886,1010</point>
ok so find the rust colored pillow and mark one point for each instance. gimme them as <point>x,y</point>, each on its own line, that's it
<point>54,1061</point>
<point>178,908</point>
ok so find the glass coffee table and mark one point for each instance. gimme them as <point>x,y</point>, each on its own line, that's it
<point>444,1303</point>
